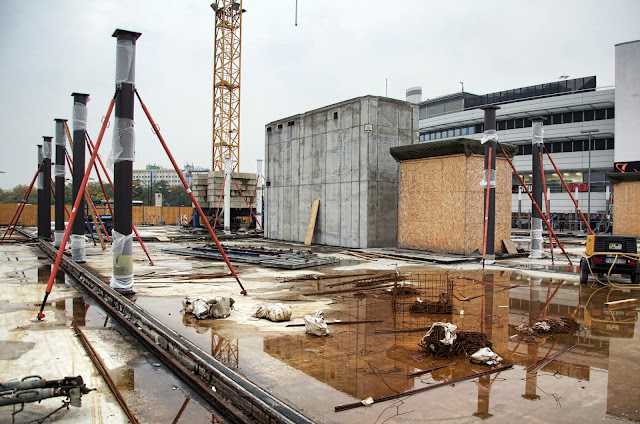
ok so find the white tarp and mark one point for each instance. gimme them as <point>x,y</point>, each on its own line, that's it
<point>276,312</point>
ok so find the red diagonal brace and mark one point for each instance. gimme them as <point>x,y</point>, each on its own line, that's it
<point>156,129</point>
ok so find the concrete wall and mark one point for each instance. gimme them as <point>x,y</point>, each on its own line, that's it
<point>441,204</point>
<point>338,154</point>
<point>627,101</point>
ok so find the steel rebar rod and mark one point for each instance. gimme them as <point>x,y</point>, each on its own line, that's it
<point>102,369</point>
<point>423,389</point>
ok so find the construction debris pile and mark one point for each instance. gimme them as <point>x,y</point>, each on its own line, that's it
<point>442,306</point>
<point>315,325</point>
<point>566,324</point>
<point>444,341</point>
<point>204,307</point>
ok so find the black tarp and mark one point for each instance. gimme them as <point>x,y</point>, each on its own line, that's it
<point>619,177</point>
<point>454,146</point>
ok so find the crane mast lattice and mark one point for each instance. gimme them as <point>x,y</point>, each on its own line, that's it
<point>226,83</point>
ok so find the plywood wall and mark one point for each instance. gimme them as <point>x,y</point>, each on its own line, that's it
<point>149,215</point>
<point>626,208</point>
<point>441,204</point>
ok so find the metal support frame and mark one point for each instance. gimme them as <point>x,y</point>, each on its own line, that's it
<point>226,83</point>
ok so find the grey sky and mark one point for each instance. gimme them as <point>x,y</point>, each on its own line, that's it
<point>340,50</point>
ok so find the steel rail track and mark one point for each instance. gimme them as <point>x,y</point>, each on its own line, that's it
<point>231,393</point>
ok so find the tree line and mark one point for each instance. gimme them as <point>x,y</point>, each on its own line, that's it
<point>171,195</point>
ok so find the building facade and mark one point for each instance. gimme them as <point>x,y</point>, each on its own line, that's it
<point>579,135</point>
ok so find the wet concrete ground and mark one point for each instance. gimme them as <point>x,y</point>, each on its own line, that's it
<point>595,381</point>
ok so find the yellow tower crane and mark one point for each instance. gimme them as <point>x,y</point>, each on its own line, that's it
<point>226,83</point>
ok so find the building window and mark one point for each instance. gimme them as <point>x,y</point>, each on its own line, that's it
<point>291,123</point>
<point>279,126</point>
<point>588,115</point>
<point>526,149</point>
<point>511,124</point>
<point>567,146</point>
<point>520,123</point>
<point>335,115</point>
<point>464,131</point>
<point>610,144</point>
<point>611,113</point>
<point>501,125</point>
<point>567,118</point>
<point>577,116</point>
<point>472,129</point>
<point>456,132</point>
<point>600,143</point>
<point>601,114</point>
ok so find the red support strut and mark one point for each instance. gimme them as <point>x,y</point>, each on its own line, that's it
<point>156,129</point>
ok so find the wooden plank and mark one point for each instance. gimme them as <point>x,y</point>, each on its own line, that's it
<point>312,222</point>
<point>625,303</point>
<point>511,248</point>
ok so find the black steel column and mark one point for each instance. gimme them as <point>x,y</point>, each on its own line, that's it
<point>79,127</point>
<point>123,156</point>
<point>490,178</point>
<point>536,219</point>
<point>60,173</point>
<point>40,186</point>
<point>46,189</point>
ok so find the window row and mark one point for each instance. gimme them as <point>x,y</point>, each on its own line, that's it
<point>571,146</point>
<point>510,124</point>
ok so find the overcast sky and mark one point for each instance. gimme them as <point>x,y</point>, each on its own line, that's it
<point>340,50</point>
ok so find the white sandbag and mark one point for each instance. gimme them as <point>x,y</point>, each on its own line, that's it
<point>315,325</point>
<point>486,356</point>
<point>203,307</point>
<point>276,312</point>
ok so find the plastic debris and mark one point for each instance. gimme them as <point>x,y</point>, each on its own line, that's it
<point>276,312</point>
<point>486,356</point>
<point>368,401</point>
<point>449,332</point>
<point>203,307</point>
<point>315,325</point>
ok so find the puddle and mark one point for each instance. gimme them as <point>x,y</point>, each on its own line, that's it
<point>375,359</point>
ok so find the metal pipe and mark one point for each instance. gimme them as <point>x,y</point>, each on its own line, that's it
<point>60,174</point>
<point>123,156</point>
<point>489,141</point>
<point>227,195</point>
<point>79,127</point>
<point>537,143</point>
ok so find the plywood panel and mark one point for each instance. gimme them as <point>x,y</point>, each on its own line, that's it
<point>626,213</point>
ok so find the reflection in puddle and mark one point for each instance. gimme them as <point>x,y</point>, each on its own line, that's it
<point>223,349</point>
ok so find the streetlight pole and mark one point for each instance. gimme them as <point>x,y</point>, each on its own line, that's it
<point>589,175</point>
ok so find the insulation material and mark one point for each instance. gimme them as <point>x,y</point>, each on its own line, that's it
<point>59,171</point>
<point>441,204</point>
<point>486,356</point>
<point>625,208</point>
<point>315,325</point>
<point>80,116</point>
<point>123,143</point>
<point>125,62</point>
<point>78,243</point>
<point>276,312</point>
<point>122,250</point>
<point>61,135</point>
<point>538,133</point>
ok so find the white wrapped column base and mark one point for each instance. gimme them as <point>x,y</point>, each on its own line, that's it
<point>78,243</point>
<point>122,249</point>
<point>536,238</point>
<point>57,238</point>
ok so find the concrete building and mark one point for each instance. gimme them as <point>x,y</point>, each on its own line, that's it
<point>571,107</point>
<point>338,154</point>
<point>154,173</point>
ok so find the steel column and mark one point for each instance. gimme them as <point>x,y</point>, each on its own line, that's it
<point>60,173</point>
<point>123,151</point>
<point>537,143</point>
<point>490,180</point>
<point>79,127</point>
